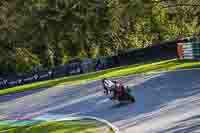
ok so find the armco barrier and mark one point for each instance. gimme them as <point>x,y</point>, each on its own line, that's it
<point>15,81</point>
<point>166,50</point>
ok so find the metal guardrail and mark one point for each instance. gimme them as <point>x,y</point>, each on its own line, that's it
<point>160,51</point>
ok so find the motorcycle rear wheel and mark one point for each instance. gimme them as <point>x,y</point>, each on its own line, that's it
<point>127,97</point>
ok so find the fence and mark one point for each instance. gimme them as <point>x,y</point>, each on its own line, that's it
<point>166,50</point>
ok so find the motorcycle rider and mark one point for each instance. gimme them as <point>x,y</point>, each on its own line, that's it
<point>107,85</point>
<point>115,86</point>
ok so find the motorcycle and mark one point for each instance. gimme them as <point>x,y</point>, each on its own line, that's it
<point>125,97</point>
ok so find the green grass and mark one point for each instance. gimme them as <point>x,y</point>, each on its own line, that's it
<point>154,66</point>
<point>83,126</point>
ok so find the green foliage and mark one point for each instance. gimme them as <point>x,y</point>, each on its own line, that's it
<point>48,33</point>
<point>75,126</point>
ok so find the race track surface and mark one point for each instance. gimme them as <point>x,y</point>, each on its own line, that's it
<point>165,102</point>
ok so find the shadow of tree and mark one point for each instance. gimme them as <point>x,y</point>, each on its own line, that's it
<point>6,98</point>
<point>155,95</point>
<point>158,95</point>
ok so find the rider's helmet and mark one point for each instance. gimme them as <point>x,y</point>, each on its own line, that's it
<point>108,83</point>
<point>104,79</point>
<point>118,83</point>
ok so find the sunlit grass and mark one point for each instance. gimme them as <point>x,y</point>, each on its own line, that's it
<point>154,66</point>
<point>76,126</point>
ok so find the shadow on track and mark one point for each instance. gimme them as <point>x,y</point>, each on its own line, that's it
<point>6,98</point>
<point>160,95</point>
<point>156,96</point>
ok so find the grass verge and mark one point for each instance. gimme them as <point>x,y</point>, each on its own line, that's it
<point>76,126</point>
<point>154,66</point>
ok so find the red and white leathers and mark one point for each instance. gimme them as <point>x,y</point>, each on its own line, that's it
<point>116,87</point>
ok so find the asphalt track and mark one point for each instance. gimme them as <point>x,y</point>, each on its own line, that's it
<point>165,102</point>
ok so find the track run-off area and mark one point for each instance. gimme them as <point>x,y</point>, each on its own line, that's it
<point>165,102</point>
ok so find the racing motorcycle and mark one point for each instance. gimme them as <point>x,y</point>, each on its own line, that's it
<point>120,96</point>
<point>126,96</point>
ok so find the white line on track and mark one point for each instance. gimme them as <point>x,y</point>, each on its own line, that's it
<point>51,117</point>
